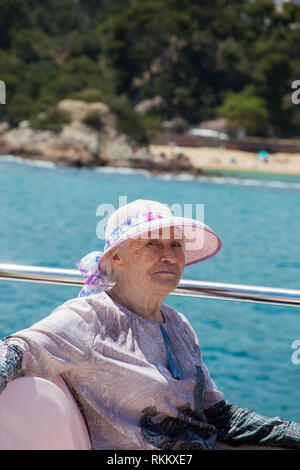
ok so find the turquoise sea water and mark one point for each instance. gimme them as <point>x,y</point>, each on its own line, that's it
<point>48,218</point>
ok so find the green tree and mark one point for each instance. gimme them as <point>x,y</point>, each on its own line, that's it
<point>53,120</point>
<point>93,120</point>
<point>247,112</point>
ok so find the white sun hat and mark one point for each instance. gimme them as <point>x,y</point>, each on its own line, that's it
<point>146,219</point>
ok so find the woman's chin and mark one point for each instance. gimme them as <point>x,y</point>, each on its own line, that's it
<point>165,282</point>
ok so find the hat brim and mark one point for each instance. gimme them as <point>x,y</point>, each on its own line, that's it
<point>200,241</point>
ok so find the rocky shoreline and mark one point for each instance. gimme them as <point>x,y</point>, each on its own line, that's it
<point>79,145</point>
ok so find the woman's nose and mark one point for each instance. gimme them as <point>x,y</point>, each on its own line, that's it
<point>168,255</point>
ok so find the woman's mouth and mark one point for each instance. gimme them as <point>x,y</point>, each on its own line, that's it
<point>166,272</point>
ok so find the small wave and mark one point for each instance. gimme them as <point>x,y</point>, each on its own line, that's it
<point>184,177</point>
<point>249,182</point>
<point>234,181</point>
<point>122,170</point>
<point>26,161</point>
<point>177,177</point>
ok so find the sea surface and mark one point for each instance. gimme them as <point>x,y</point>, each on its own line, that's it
<point>49,217</point>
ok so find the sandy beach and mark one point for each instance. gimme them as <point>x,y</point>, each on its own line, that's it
<point>210,158</point>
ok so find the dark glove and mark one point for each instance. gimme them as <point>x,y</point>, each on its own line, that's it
<point>238,426</point>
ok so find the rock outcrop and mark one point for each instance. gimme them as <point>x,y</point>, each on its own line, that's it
<point>80,145</point>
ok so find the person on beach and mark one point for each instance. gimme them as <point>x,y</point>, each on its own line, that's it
<point>132,362</point>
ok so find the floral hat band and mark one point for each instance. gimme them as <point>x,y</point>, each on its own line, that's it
<point>139,218</point>
<point>95,281</point>
<point>129,225</point>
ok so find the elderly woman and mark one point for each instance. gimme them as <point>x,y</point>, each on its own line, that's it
<point>132,362</point>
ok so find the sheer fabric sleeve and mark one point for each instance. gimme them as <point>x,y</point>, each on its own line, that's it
<point>59,342</point>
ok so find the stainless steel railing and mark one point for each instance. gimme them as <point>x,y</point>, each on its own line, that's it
<point>212,290</point>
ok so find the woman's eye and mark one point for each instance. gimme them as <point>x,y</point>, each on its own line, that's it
<point>173,244</point>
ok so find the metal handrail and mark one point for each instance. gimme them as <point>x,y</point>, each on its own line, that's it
<point>212,290</point>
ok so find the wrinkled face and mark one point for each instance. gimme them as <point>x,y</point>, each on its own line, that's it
<point>154,264</point>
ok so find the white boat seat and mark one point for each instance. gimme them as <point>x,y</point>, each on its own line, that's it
<point>39,414</point>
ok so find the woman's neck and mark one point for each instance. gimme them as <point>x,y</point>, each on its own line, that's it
<point>147,307</point>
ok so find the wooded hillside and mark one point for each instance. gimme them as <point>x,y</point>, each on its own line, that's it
<point>203,59</point>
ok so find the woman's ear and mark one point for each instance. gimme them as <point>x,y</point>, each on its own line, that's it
<point>117,258</point>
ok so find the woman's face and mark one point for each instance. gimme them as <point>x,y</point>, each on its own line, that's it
<point>155,263</point>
